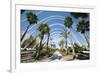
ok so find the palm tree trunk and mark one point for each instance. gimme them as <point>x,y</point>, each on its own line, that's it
<point>48,39</point>
<point>73,50</point>
<point>33,41</point>
<point>48,42</point>
<point>66,43</point>
<point>25,33</point>
<point>41,41</point>
<point>40,48</point>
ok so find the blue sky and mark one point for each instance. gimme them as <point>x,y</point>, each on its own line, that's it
<point>55,21</point>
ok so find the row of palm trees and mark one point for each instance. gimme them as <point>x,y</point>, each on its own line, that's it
<point>82,27</point>
<point>44,29</point>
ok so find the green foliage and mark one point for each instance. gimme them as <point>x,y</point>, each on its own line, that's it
<point>68,22</point>
<point>31,18</point>
<point>45,52</point>
<point>77,15</point>
<point>43,28</point>
<point>83,26</point>
<point>50,51</point>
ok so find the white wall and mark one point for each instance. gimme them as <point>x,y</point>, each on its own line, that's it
<point>5,36</point>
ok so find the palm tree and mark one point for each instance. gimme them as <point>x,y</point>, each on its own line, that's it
<point>44,29</point>
<point>48,31</point>
<point>83,27</point>
<point>32,19</point>
<point>68,23</point>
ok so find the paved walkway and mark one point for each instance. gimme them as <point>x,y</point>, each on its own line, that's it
<point>64,58</point>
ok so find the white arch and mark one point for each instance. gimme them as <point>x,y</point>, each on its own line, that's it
<point>56,24</point>
<point>73,35</point>
<point>51,17</point>
<point>55,17</point>
<point>53,33</point>
<point>55,30</point>
<point>38,13</point>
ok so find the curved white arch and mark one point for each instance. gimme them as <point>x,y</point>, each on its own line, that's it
<point>57,27</point>
<point>55,30</point>
<point>38,13</point>
<point>60,38</point>
<point>57,24</point>
<point>58,32</point>
<point>55,17</point>
<point>51,17</point>
<point>74,36</point>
